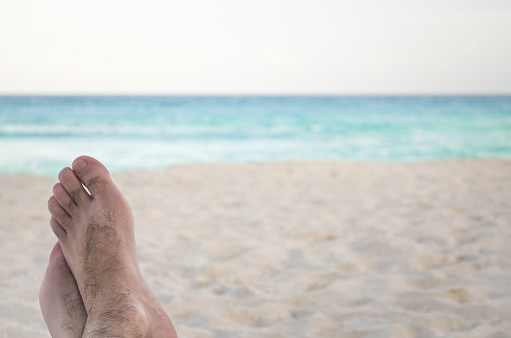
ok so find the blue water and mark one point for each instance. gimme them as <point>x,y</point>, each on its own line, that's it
<point>40,135</point>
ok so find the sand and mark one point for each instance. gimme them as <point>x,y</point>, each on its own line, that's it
<point>301,249</point>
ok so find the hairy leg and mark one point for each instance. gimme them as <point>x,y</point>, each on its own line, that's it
<point>60,300</point>
<point>96,232</point>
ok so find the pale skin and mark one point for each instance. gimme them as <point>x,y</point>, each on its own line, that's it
<point>93,286</point>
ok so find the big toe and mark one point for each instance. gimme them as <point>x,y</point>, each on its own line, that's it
<point>57,268</point>
<point>93,175</point>
<point>56,256</point>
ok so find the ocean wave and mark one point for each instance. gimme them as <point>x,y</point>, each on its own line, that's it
<point>149,131</point>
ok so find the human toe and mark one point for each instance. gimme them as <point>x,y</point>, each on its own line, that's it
<point>57,229</point>
<point>58,212</point>
<point>56,255</point>
<point>56,259</point>
<point>63,198</point>
<point>93,175</point>
<point>72,185</point>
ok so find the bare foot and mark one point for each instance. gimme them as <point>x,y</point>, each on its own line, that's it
<point>97,236</point>
<point>60,300</point>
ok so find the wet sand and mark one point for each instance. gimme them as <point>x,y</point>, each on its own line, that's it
<point>323,249</point>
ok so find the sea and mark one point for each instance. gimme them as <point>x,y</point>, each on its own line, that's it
<point>42,134</point>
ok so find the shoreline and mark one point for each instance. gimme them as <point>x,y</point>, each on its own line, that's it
<point>283,162</point>
<point>298,248</point>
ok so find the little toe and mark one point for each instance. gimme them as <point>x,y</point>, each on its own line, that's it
<point>58,230</point>
<point>93,175</point>
<point>73,186</point>
<point>58,212</point>
<point>65,201</point>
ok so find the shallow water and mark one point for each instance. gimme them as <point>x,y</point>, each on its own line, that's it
<point>41,134</point>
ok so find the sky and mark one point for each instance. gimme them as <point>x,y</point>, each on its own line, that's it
<point>255,47</point>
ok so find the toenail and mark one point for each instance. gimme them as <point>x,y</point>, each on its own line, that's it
<point>79,165</point>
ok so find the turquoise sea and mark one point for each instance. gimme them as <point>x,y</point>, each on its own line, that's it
<point>41,134</point>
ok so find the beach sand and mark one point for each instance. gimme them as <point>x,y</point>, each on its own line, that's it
<point>302,249</point>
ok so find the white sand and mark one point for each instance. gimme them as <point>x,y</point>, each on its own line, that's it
<point>296,249</point>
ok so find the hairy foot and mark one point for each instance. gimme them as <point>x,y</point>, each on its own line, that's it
<point>97,234</point>
<point>60,300</point>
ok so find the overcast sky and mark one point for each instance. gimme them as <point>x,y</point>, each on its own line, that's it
<point>256,47</point>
